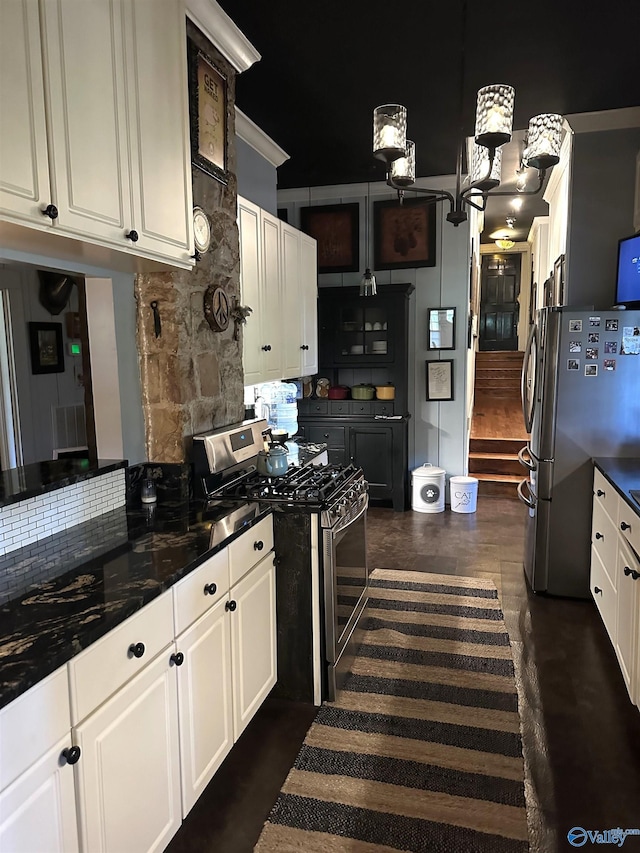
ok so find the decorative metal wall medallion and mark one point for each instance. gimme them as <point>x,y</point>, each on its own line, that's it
<point>216,308</point>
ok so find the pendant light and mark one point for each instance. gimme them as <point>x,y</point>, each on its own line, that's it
<point>368,286</point>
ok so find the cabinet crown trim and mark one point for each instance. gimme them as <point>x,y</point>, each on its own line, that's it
<point>254,136</point>
<point>218,27</point>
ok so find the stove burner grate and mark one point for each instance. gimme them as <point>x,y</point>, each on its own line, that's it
<point>308,484</point>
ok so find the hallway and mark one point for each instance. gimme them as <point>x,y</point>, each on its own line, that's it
<point>581,734</point>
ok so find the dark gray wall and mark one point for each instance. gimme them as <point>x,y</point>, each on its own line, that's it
<point>600,212</point>
<point>257,178</point>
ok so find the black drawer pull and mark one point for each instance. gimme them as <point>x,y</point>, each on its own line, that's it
<point>210,589</point>
<point>267,348</point>
<point>597,590</point>
<point>132,235</point>
<point>51,211</point>
<point>599,536</point>
<point>634,575</point>
<point>624,526</point>
<point>71,754</point>
<point>136,650</point>
<point>600,493</point>
<point>178,659</point>
<point>230,605</point>
<point>304,346</point>
<point>259,545</point>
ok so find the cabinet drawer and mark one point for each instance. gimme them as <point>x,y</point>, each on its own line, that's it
<point>629,524</point>
<point>362,408</point>
<point>317,407</point>
<point>249,549</point>
<point>100,670</point>
<point>200,590</point>
<point>604,539</point>
<point>339,407</point>
<point>383,408</point>
<point>604,595</point>
<point>32,724</point>
<point>604,494</point>
<point>331,435</point>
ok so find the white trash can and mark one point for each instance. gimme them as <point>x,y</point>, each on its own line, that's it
<point>427,489</point>
<point>464,494</point>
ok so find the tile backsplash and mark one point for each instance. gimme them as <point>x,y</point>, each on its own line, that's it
<point>36,518</point>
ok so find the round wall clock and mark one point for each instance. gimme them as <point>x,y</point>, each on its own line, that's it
<point>201,230</point>
<point>216,308</point>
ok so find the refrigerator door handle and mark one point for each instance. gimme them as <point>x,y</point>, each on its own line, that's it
<point>529,501</point>
<point>528,390</point>
<point>528,461</point>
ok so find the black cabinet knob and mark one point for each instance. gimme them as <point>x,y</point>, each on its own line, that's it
<point>599,536</point>
<point>634,575</point>
<point>304,346</point>
<point>51,211</point>
<point>600,493</point>
<point>627,571</point>
<point>136,650</point>
<point>597,590</point>
<point>196,256</point>
<point>71,754</point>
<point>132,235</point>
<point>230,605</point>
<point>267,348</point>
<point>624,526</point>
<point>259,545</point>
<point>177,658</point>
<point>210,589</point>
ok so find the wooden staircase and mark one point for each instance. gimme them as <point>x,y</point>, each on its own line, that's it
<point>497,426</point>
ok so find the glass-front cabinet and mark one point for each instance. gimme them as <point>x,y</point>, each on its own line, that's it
<point>362,331</point>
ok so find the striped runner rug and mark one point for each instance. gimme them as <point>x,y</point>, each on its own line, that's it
<point>422,750</point>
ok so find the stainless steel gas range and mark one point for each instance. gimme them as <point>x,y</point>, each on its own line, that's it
<point>320,533</point>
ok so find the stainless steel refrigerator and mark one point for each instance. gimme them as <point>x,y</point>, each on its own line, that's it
<point>580,399</point>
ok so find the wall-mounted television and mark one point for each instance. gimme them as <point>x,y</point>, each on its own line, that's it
<point>628,278</point>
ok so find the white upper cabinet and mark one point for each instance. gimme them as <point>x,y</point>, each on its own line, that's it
<point>95,141</point>
<point>278,276</point>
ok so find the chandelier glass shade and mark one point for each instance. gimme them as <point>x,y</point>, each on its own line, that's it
<point>505,243</point>
<point>493,128</point>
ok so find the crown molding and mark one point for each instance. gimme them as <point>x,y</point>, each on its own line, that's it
<point>621,119</point>
<point>250,133</point>
<point>217,26</point>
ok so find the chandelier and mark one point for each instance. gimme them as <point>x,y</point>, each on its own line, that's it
<point>493,128</point>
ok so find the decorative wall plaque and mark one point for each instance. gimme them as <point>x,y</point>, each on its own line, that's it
<point>216,308</point>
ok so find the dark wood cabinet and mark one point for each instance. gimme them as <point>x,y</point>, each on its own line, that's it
<point>364,340</point>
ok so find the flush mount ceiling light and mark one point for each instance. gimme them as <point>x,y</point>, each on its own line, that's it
<point>505,243</point>
<point>494,121</point>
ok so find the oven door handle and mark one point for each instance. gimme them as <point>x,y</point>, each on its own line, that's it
<point>349,519</point>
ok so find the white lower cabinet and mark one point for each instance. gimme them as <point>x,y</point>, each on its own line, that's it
<point>128,776</point>
<point>204,701</point>
<point>38,811</point>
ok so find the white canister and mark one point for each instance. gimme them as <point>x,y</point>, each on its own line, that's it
<point>464,494</point>
<point>428,488</point>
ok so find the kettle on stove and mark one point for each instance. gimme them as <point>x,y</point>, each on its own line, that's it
<point>273,460</point>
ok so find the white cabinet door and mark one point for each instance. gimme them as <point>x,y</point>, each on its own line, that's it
<point>309,299</point>
<point>204,697</point>
<point>159,125</point>
<point>24,169</point>
<point>250,274</point>
<point>626,642</point>
<point>291,302</point>
<point>253,641</point>
<point>38,811</point>
<point>128,777</point>
<point>88,140</point>
<point>274,318</point>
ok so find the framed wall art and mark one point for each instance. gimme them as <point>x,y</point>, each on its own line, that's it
<point>439,380</point>
<point>558,281</point>
<point>45,343</point>
<point>207,114</point>
<point>442,328</point>
<point>404,234</point>
<point>335,228</point>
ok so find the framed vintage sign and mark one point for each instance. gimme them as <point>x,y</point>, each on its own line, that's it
<point>207,114</point>
<point>439,380</point>
<point>404,234</point>
<point>335,229</point>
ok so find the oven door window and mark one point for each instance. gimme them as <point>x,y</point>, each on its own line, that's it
<point>350,575</point>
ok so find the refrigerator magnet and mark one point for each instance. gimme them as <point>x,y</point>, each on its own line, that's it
<point>609,364</point>
<point>575,346</point>
<point>573,364</point>
<point>594,338</point>
<point>611,325</point>
<point>575,325</point>
<point>594,322</point>
<point>611,347</point>
<point>592,353</point>
<point>630,340</point>
<point>591,370</point>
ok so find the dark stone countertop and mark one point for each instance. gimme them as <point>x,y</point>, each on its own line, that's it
<point>624,476</point>
<point>18,484</point>
<point>61,594</point>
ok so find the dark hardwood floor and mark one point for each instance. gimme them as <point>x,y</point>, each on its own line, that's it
<point>581,735</point>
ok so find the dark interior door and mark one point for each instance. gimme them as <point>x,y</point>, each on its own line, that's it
<point>499,291</point>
